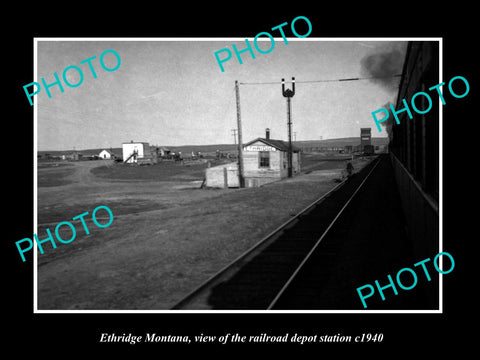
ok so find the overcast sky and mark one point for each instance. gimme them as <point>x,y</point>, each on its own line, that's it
<point>174,93</point>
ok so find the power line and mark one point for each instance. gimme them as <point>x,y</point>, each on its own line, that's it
<point>322,80</point>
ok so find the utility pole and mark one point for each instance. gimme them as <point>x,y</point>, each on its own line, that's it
<point>241,180</point>
<point>289,94</point>
<point>294,136</point>
<point>234,136</point>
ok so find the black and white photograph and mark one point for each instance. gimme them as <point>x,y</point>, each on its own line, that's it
<point>286,183</point>
<point>248,190</point>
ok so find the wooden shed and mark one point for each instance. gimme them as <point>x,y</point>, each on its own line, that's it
<point>222,176</point>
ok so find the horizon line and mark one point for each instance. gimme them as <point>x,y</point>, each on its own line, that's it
<point>191,145</point>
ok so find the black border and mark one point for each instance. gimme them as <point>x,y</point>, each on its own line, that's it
<point>80,332</point>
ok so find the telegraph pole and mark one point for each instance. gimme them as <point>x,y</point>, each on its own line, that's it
<point>234,131</point>
<point>241,180</point>
<point>289,94</point>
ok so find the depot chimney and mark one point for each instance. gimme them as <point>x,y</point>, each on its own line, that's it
<point>267,133</point>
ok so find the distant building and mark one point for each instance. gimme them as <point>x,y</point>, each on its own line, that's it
<point>133,151</point>
<point>163,151</point>
<point>106,154</point>
<point>74,155</point>
<point>365,137</point>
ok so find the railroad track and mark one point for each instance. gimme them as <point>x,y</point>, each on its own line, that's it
<point>261,277</point>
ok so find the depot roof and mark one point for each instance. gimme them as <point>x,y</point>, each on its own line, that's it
<point>278,144</point>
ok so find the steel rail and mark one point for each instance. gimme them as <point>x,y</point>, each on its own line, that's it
<point>254,250</point>
<point>304,261</point>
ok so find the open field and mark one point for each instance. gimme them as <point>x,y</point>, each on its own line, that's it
<point>165,171</point>
<point>54,174</point>
<point>168,235</point>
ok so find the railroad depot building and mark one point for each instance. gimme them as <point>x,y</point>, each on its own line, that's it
<point>264,160</point>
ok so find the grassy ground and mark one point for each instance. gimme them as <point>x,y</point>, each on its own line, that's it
<point>167,235</point>
<point>54,174</point>
<point>164,171</point>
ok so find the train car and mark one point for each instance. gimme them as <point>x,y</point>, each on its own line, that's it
<point>414,149</point>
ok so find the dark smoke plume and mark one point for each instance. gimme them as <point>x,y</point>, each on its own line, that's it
<point>387,124</point>
<point>384,66</point>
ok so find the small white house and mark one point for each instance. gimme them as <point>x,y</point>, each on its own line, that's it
<point>106,154</point>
